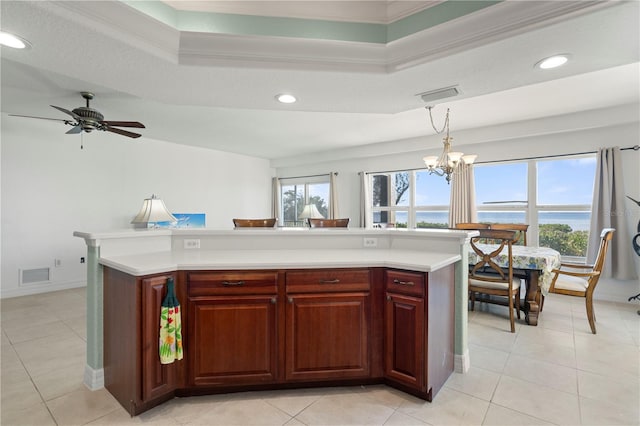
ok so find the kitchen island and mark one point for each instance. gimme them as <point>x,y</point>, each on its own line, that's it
<point>265,309</point>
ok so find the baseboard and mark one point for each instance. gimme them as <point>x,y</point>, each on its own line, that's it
<point>93,379</point>
<point>461,363</point>
<point>38,289</point>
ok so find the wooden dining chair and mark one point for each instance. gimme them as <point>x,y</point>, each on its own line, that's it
<point>329,223</point>
<point>520,228</point>
<point>255,223</point>
<point>492,278</point>
<point>577,279</point>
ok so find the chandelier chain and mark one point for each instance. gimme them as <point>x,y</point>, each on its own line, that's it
<point>444,126</point>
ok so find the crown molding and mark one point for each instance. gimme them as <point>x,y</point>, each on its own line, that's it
<point>490,24</point>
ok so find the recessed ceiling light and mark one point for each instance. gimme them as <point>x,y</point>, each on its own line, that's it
<point>11,40</point>
<point>553,61</point>
<point>286,98</point>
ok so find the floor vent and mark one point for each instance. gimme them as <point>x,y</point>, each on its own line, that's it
<point>34,276</point>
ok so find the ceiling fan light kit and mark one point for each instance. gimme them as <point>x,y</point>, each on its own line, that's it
<point>87,119</point>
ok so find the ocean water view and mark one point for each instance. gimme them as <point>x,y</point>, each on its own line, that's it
<point>578,221</point>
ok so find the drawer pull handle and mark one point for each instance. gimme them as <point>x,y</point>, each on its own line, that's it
<point>403,282</point>
<point>232,283</point>
<point>273,300</point>
<point>333,281</point>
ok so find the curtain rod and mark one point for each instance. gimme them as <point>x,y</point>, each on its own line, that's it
<point>309,176</point>
<point>635,148</point>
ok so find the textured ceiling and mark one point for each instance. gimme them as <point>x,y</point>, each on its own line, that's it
<point>216,89</point>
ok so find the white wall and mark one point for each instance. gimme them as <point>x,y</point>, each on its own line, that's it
<point>50,188</point>
<point>575,133</point>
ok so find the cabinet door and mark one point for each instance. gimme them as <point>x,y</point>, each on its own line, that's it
<point>232,340</point>
<point>404,339</point>
<point>327,336</point>
<point>157,379</point>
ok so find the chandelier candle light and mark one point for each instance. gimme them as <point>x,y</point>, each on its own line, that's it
<point>449,162</point>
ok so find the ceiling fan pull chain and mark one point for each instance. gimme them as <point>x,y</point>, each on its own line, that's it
<point>82,139</point>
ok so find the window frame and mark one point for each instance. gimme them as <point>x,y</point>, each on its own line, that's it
<point>304,182</point>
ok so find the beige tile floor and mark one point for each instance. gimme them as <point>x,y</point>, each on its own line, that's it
<point>556,373</point>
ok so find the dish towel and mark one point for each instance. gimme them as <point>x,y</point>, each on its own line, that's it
<point>170,327</point>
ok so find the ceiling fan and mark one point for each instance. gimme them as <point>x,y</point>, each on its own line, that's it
<point>88,119</point>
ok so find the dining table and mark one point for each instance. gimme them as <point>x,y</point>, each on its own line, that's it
<point>535,265</point>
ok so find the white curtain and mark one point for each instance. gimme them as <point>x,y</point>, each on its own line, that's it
<point>365,199</point>
<point>608,211</point>
<point>275,199</point>
<point>462,204</point>
<point>333,196</point>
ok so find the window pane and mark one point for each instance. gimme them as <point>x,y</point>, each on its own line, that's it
<point>390,189</point>
<point>502,183</point>
<point>400,219</point>
<point>431,190</point>
<point>432,219</point>
<point>567,232</point>
<point>292,204</point>
<point>562,182</point>
<point>501,217</point>
<point>319,195</point>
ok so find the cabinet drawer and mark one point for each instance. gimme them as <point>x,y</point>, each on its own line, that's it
<point>217,283</point>
<point>328,280</point>
<point>403,282</point>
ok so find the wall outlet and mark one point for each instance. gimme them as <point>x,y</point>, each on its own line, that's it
<point>370,242</point>
<point>192,244</point>
<point>57,263</point>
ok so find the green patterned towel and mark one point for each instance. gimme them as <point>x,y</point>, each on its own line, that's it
<point>170,327</point>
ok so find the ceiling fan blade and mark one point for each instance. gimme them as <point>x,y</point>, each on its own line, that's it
<point>122,132</point>
<point>66,111</point>
<point>124,124</point>
<point>40,118</point>
<point>75,129</point>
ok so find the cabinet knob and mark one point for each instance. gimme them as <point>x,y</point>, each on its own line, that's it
<point>290,300</point>
<point>274,300</point>
<point>388,297</point>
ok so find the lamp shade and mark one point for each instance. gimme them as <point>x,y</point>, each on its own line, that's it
<point>153,210</point>
<point>310,211</point>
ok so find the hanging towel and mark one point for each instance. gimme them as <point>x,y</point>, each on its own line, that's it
<point>170,327</point>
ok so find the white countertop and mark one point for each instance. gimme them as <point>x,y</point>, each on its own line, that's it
<point>166,261</point>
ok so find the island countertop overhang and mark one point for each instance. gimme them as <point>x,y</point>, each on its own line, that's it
<point>167,261</point>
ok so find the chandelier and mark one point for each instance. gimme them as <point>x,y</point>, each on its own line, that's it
<point>450,162</point>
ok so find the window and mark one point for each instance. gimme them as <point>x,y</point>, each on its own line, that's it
<point>553,196</point>
<point>296,193</point>
<point>432,197</point>
<point>409,199</point>
<point>390,198</point>
<point>564,196</point>
<point>561,189</point>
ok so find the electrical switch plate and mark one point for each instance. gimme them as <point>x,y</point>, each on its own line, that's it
<point>192,244</point>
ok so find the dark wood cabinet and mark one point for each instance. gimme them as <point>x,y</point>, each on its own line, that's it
<point>327,336</point>
<point>327,324</point>
<point>419,325</point>
<point>233,328</point>
<point>404,339</point>
<point>132,369</point>
<point>157,379</point>
<point>262,329</point>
